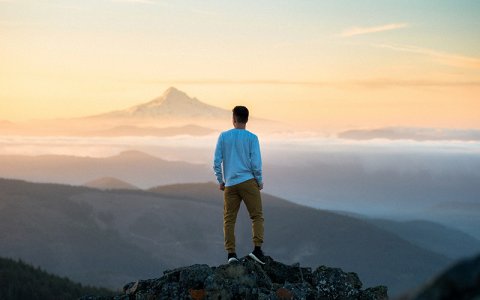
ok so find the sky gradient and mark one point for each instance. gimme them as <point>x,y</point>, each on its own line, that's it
<point>322,64</point>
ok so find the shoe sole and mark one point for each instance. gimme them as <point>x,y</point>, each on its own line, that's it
<point>252,256</point>
<point>232,260</point>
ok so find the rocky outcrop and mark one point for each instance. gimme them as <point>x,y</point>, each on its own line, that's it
<point>250,280</point>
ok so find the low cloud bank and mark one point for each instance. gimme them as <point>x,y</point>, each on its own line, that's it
<point>412,133</point>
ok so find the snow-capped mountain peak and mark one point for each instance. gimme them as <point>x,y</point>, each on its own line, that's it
<point>172,103</point>
<point>171,96</point>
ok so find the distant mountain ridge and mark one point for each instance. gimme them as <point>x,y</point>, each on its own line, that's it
<point>110,183</point>
<point>135,167</point>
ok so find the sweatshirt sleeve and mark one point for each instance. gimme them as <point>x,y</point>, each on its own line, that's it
<point>217,161</point>
<point>256,159</point>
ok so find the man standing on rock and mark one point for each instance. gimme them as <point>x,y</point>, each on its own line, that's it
<point>238,151</point>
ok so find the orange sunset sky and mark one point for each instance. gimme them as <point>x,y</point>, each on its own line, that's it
<point>323,64</point>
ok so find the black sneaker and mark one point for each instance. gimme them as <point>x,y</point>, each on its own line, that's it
<point>257,255</point>
<point>232,257</point>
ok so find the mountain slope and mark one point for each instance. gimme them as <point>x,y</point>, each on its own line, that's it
<point>22,281</point>
<point>460,282</point>
<point>40,224</point>
<point>435,237</point>
<point>107,236</point>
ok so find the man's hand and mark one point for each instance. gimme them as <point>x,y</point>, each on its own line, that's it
<point>221,186</point>
<point>260,186</point>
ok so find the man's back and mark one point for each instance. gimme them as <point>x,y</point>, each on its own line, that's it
<point>239,152</point>
<point>240,179</point>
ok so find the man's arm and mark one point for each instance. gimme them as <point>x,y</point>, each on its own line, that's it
<point>217,163</point>
<point>256,159</point>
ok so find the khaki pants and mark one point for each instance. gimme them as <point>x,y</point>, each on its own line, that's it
<point>249,192</point>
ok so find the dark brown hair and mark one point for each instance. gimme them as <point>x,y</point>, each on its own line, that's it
<point>240,113</point>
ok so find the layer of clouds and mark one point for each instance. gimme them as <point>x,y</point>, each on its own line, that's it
<point>413,133</point>
<point>200,149</point>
